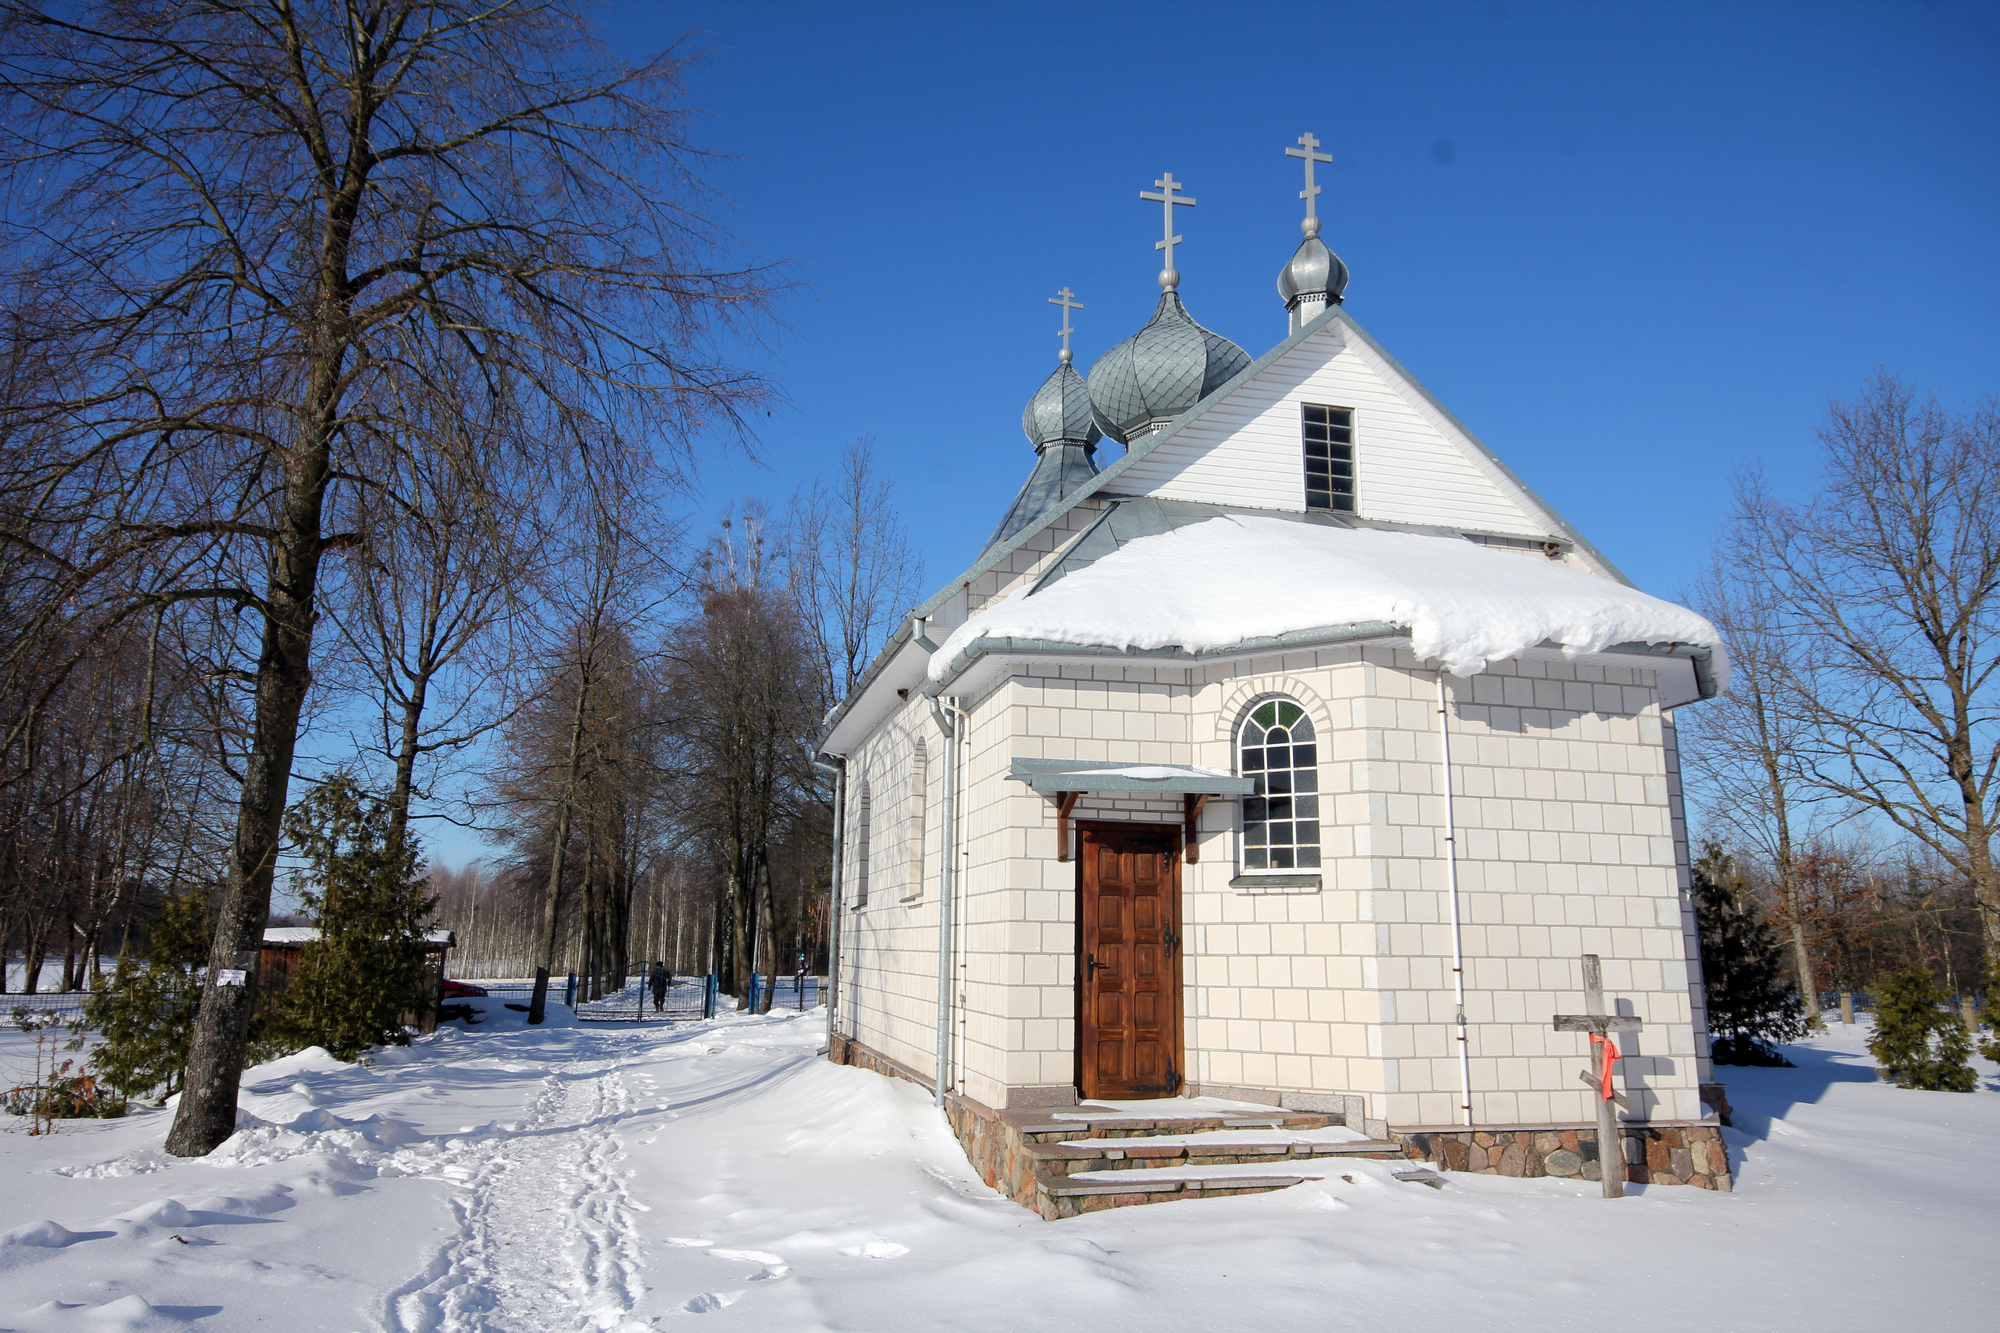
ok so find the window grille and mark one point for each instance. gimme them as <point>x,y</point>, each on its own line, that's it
<point>1281,817</point>
<point>1329,454</point>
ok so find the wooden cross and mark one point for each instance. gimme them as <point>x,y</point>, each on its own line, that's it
<point>1305,150</point>
<point>1062,298</point>
<point>1601,1023</point>
<point>1166,200</point>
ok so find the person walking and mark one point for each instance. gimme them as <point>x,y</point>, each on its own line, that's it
<point>661,980</point>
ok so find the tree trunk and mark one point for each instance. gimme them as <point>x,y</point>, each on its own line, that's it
<point>207,1111</point>
<point>552,895</point>
<point>406,763</point>
<point>768,962</point>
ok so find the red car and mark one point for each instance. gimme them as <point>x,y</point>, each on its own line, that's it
<point>458,990</point>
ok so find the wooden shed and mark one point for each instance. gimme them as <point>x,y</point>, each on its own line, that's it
<point>283,946</point>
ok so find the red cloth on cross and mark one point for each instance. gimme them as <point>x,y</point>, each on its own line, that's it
<point>1610,1054</point>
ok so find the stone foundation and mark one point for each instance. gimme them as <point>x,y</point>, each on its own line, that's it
<point>1677,1153</point>
<point>847,1051</point>
<point>1662,1153</point>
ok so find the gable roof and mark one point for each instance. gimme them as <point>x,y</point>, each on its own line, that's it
<point>1104,485</point>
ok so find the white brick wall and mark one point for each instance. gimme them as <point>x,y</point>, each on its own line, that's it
<point>1565,798</point>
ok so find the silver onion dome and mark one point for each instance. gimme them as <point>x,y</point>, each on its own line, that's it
<point>1160,372</point>
<point>1313,271</point>
<point>1059,413</point>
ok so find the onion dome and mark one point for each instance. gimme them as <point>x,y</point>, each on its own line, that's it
<point>1059,423</point>
<point>1059,413</point>
<point>1315,271</point>
<point>1160,372</point>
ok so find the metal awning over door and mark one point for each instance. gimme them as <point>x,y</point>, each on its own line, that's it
<point>1068,779</point>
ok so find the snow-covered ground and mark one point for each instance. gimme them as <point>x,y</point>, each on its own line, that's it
<point>620,1178</point>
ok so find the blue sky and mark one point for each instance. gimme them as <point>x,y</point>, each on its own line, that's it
<point>1633,247</point>
<point>1630,246</point>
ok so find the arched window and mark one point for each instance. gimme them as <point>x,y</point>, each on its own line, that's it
<point>1281,818</point>
<point>920,763</point>
<point>861,813</point>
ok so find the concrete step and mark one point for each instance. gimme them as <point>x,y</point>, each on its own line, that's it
<point>1051,1129</point>
<point>1072,1198</point>
<point>1074,1158</point>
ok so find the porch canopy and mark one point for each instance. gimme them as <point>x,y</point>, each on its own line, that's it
<point>1067,779</point>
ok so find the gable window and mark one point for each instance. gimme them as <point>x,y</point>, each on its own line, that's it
<point>1281,817</point>
<point>1329,448</point>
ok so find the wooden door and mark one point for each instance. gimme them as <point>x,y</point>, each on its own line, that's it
<point>1129,961</point>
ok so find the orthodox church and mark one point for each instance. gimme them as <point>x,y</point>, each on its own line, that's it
<point>1294,758</point>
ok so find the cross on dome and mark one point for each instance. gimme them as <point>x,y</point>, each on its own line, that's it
<point>1305,150</point>
<point>1062,298</point>
<point>1170,277</point>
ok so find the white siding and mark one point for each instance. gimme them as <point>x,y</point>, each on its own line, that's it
<point>1246,450</point>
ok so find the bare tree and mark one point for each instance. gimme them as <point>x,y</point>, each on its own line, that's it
<point>1886,587</point>
<point>266,238</point>
<point>849,566</point>
<point>435,619</point>
<point>1742,747</point>
<point>743,691</point>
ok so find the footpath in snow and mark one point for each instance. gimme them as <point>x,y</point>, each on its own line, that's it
<point>614,1178</point>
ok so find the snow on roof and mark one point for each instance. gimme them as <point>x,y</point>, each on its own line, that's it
<point>307,934</point>
<point>1210,585</point>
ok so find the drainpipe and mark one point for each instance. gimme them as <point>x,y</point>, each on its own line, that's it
<point>1457,923</point>
<point>950,720</point>
<point>838,767</point>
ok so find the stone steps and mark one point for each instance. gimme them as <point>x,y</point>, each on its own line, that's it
<point>1141,1155</point>
<point>1073,1161</point>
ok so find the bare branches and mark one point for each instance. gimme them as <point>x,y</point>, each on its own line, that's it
<point>292,272</point>
<point>1880,607</point>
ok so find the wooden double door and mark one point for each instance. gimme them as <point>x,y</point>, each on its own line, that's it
<point>1128,1038</point>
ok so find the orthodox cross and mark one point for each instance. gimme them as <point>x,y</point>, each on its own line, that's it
<point>1305,150</point>
<point>1600,1023</point>
<point>1169,276</point>
<point>1062,298</point>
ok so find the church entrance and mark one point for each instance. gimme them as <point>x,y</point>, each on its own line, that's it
<point>1128,1038</point>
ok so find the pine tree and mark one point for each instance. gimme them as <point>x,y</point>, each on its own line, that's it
<point>354,984</point>
<point>143,1016</point>
<point>1744,977</point>
<point>1919,1041</point>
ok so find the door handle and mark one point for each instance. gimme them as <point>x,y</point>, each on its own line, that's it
<point>1092,963</point>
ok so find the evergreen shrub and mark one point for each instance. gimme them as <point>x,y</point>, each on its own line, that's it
<point>1751,1002</point>
<point>1920,1041</point>
<point>143,1014</point>
<point>354,984</point>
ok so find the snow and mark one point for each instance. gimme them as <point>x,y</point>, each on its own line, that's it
<point>624,1178</point>
<point>1215,583</point>
<point>308,934</point>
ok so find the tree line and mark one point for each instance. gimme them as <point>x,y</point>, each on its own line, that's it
<point>1849,777</point>
<point>355,362</point>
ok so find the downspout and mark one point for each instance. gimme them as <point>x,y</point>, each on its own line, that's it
<point>838,767</point>
<point>1457,920</point>
<point>949,720</point>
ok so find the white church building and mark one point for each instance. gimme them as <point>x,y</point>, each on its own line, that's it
<point>1293,758</point>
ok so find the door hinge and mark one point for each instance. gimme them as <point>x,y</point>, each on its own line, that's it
<point>1171,940</point>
